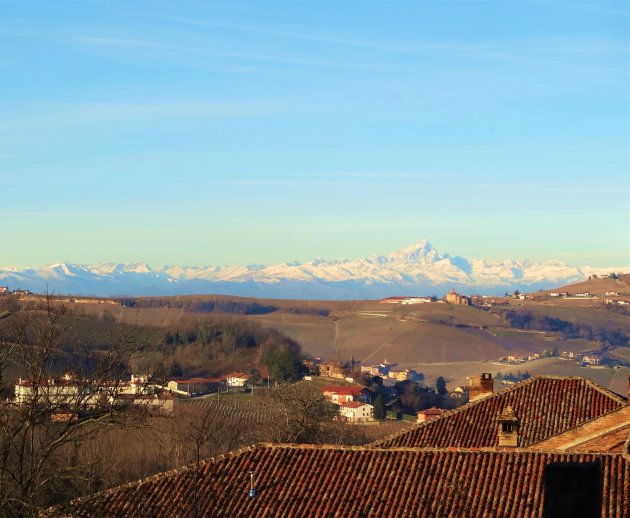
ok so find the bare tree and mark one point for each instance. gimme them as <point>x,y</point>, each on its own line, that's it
<point>300,415</point>
<point>67,393</point>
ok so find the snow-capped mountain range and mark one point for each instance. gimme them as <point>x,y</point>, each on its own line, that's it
<point>416,270</point>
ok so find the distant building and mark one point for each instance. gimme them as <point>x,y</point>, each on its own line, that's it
<point>312,364</point>
<point>591,359</point>
<point>459,393</point>
<point>428,414</point>
<point>406,300</point>
<point>194,386</point>
<point>4,290</point>
<point>333,369</point>
<point>452,297</point>
<point>237,379</point>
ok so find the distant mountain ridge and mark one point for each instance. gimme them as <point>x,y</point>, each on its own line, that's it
<point>418,269</point>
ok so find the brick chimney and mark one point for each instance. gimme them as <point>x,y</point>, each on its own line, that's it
<point>508,428</point>
<point>480,386</point>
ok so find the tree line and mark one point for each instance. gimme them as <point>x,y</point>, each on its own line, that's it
<point>202,306</point>
<point>527,320</point>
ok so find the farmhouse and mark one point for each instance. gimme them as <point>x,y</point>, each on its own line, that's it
<point>356,412</point>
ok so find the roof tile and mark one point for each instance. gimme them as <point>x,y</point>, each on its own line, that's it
<point>336,481</point>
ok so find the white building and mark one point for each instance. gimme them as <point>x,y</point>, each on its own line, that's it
<point>237,379</point>
<point>356,412</point>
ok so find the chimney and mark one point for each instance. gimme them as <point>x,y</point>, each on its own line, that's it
<point>508,428</point>
<point>480,386</point>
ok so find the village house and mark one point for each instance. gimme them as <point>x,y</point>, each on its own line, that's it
<point>237,379</point>
<point>428,414</point>
<point>63,390</point>
<point>356,412</point>
<point>333,369</point>
<point>460,393</point>
<point>382,369</point>
<point>400,374</point>
<point>339,394</point>
<point>591,359</point>
<point>194,386</point>
<point>4,290</point>
<point>67,395</point>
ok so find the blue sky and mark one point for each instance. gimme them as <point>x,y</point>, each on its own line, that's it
<point>257,132</point>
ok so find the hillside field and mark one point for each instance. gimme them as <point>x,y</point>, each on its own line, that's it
<point>434,338</point>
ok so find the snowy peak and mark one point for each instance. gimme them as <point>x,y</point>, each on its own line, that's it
<point>420,253</point>
<point>415,269</point>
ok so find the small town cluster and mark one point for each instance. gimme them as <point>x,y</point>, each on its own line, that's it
<point>69,396</point>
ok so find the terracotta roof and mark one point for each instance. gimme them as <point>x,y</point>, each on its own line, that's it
<point>317,481</point>
<point>432,411</point>
<point>612,441</point>
<point>342,390</point>
<point>604,434</point>
<point>352,404</point>
<point>545,406</point>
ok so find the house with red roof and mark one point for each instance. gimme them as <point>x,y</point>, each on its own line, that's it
<point>339,394</point>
